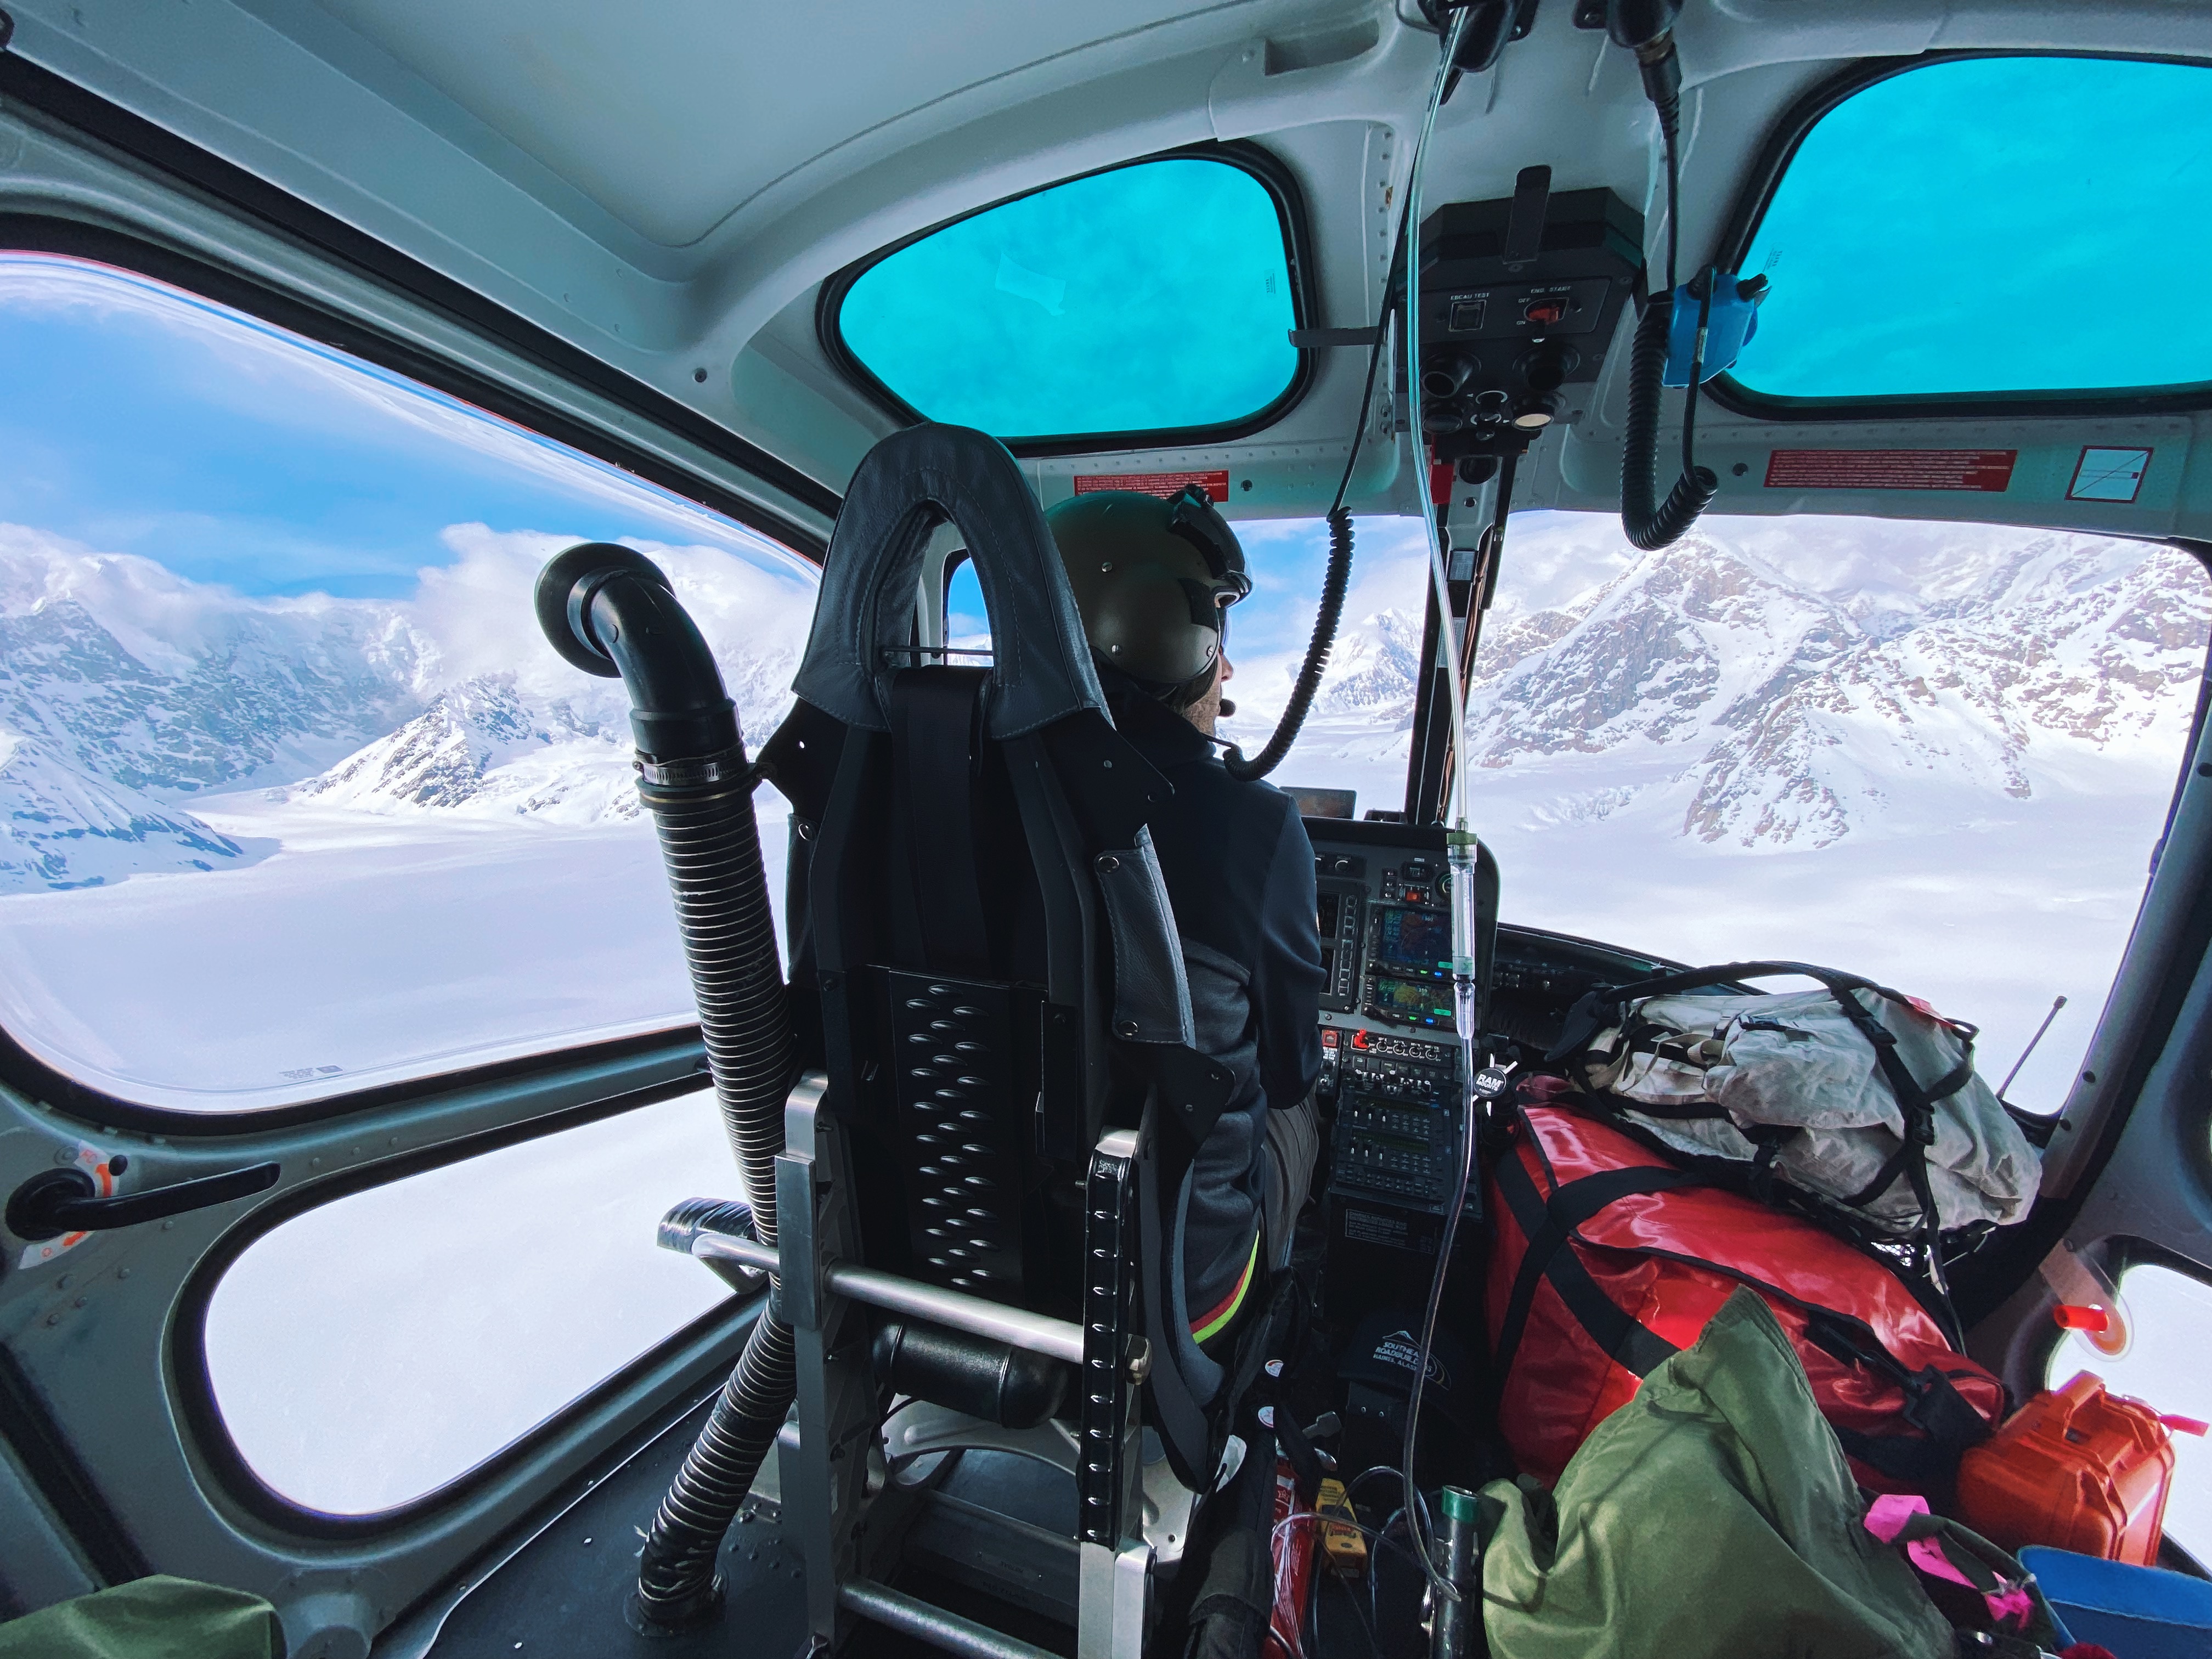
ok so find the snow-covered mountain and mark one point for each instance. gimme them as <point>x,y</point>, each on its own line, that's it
<point>135,676</point>
<point>66,829</point>
<point>482,744</point>
<point>126,691</point>
<point>1374,671</point>
<point>1762,692</point>
<point>1761,685</point>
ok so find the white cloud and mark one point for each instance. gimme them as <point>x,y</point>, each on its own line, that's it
<point>474,615</point>
<point>477,615</point>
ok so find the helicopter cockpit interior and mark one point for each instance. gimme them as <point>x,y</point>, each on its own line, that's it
<point>624,997</point>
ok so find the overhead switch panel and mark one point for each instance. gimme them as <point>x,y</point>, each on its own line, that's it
<point>1519,299</point>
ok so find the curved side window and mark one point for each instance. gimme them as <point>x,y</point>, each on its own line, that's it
<point>1971,229</point>
<point>2168,1366</point>
<point>1154,298</point>
<point>374,1349</point>
<point>295,799</point>
<point>1939,755</point>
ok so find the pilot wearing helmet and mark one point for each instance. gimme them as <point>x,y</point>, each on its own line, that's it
<point>1154,580</point>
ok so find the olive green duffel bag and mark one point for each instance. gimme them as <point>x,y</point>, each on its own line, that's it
<point>1712,1517</point>
<point>157,1617</point>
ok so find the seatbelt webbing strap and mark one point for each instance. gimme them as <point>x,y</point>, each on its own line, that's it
<point>935,716</point>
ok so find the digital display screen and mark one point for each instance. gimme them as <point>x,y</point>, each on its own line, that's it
<point>1332,912</point>
<point>1412,999</point>
<point>1394,1143</point>
<point>1414,938</point>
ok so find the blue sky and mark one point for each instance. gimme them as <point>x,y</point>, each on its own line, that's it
<point>139,419</point>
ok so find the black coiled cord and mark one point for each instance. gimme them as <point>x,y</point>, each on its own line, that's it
<point>1333,583</point>
<point>1337,578</point>
<point>710,843</point>
<point>1649,526</point>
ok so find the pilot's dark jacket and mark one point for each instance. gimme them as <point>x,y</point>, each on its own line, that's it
<point>1240,874</point>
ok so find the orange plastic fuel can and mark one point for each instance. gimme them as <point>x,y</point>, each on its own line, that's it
<point>2075,1468</point>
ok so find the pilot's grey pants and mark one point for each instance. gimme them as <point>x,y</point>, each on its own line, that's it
<point>1293,1145</point>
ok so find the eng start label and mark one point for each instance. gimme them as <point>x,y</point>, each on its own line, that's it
<point>1987,470</point>
<point>1215,484</point>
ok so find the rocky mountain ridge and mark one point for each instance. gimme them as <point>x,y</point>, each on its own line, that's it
<point>1763,711</point>
<point>128,696</point>
<point>65,830</point>
<point>1746,688</point>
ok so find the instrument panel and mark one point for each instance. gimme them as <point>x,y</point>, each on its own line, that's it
<point>1391,1086</point>
<point>1391,1070</point>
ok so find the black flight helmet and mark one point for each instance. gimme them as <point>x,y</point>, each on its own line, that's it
<point>1153,579</point>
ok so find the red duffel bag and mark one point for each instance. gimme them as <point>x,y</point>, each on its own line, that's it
<point>1609,1260</point>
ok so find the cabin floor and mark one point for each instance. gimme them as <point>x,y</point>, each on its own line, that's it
<point>984,1516</point>
<point>564,1594</point>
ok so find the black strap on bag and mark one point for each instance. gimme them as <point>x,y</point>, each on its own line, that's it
<point>1932,1403</point>
<point>1549,1225</point>
<point>1609,1005</point>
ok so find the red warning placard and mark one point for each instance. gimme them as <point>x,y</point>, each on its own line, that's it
<point>1987,470</point>
<point>1215,484</point>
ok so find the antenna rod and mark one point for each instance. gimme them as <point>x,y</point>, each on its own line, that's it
<point>2056,1006</point>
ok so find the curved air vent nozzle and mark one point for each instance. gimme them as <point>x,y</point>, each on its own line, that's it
<point>609,611</point>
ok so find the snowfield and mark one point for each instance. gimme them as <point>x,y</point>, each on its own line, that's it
<point>262,850</point>
<point>257,851</point>
<point>1940,755</point>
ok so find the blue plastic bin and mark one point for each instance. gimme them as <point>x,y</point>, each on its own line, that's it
<point>2139,1613</point>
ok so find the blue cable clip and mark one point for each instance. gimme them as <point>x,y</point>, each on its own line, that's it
<point>1730,318</point>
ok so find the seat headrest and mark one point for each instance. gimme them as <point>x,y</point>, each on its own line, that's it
<point>906,486</point>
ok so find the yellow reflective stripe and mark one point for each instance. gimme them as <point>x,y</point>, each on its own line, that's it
<point>1208,1326</point>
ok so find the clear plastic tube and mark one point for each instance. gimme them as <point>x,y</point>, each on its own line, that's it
<point>1460,841</point>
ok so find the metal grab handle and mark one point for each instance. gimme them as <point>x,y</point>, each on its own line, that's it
<point>57,1202</point>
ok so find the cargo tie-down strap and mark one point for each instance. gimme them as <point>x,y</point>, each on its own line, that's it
<point>1916,1101</point>
<point>1932,1403</point>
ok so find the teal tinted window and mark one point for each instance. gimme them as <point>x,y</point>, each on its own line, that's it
<point>1153,298</point>
<point>1992,227</point>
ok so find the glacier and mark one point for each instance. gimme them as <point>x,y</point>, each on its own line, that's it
<point>259,850</point>
<point>404,834</point>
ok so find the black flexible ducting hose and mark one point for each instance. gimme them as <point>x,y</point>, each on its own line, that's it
<point>610,611</point>
<point>1646,28</point>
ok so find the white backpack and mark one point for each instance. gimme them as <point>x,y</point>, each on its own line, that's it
<point>1861,1097</point>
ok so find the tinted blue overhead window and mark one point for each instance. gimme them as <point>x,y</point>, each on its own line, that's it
<point>1992,228</point>
<point>1155,297</point>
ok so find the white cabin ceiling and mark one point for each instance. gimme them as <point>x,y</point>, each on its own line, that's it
<point>666,186</point>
